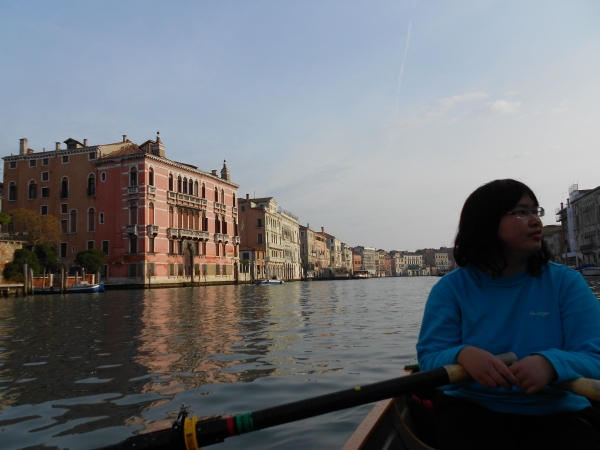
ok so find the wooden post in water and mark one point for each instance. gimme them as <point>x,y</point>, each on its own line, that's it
<point>62,280</point>
<point>25,279</point>
<point>30,281</point>
<point>44,279</point>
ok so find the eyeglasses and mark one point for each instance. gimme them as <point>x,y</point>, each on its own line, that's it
<point>524,213</point>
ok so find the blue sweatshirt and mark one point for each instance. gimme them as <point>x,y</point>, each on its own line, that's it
<point>555,315</point>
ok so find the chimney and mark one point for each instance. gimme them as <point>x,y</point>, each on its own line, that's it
<point>247,196</point>
<point>214,172</point>
<point>85,142</point>
<point>322,229</point>
<point>58,146</point>
<point>22,146</point>
<point>124,138</point>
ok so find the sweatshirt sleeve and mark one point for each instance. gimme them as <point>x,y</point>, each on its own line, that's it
<point>440,338</point>
<point>580,313</point>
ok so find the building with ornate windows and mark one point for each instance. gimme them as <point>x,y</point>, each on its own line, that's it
<point>270,239</point>
<point>159,221</point>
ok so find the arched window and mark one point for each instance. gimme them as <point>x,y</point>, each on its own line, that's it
<point>73,221</point>
<point>64,187</point>
<point>191,187</point>
<point>217,225</point>
<point>203,191</point>
<point>133,211</point>
<point>233,200</point>
<point>171,182</point>
<point>184,186</point>
<point>12,191</point>
<point>101,218</point>
<point>196,188</point>
<point>186,218</point>
<point>32,192</point>
<point>222,196</point>
<point>216,195</point>
<point>91,219</point>
<point>133,181</point>
<point>91,185</point>
<point>151,214</point>
<point>171,218</point>
<point>178,184</point>
<point>151,176</point>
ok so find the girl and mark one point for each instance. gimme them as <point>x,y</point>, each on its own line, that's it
<point>507,297</point>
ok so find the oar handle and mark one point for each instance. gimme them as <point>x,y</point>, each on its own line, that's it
<point>587,387</point>
<point>457,373</point>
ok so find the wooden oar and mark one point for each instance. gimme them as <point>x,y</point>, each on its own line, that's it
<point>198,433</point>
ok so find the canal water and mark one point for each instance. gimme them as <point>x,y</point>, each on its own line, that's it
<point>89,370</point>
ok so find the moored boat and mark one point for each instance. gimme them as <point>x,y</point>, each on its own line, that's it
<point>591,271</point>
<point>268,281</point>
<point>81,287</point>
<point>361,274</point>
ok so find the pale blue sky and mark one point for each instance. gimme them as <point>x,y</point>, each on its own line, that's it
<point>373,119</point>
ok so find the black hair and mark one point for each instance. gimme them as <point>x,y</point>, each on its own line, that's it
<point>477,241</point>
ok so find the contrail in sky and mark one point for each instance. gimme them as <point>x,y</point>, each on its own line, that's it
<point>403,62</point>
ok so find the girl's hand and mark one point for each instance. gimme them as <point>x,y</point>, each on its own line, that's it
<point>486,369</point>
<point>533,372</point>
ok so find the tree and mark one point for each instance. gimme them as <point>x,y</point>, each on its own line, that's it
<point>40,229</point>
<point>14,269</point>
<point>47,256</point>
<point>4,218</point>
<point>91,260</point>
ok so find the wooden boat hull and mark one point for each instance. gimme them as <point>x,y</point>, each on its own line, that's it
<point>389,426</point>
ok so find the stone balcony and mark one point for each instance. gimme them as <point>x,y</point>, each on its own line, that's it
<point>186,199</point>
<point>221,237</point>
<point>186,233</point>
<point>236,240</point>
<point>151,190</point>
<point>220,207</point>
<point>131,230</point>
<point>152,230</point>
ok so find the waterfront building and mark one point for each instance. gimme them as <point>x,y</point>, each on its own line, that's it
<point>586,215</point>
<point>414,265</point>
<point>570,251</point>
<point>308,254</point>
<point>396,258</point>
<point>370,259</point>
<point>323,256</point>
<point>442,262</point>
<point>347,261</point>
<point>158,221</point>
<point>335,251</point>
<point>357,262</point>
<point>552,235</point>
<point>272,233</point>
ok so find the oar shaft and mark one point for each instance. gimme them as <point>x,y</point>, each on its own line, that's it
<point>216,430</point>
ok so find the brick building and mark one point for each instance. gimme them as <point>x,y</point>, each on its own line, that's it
<point>157,220</point>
